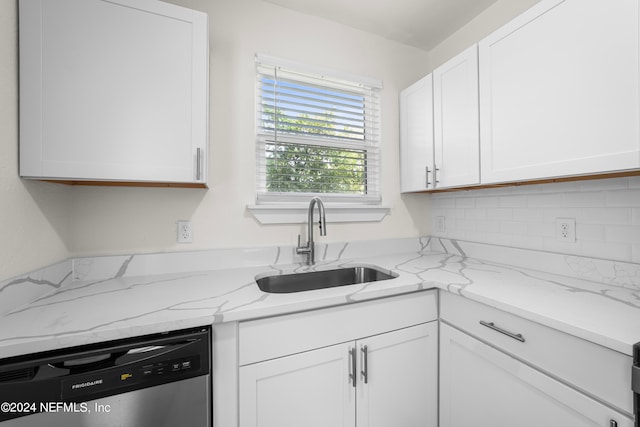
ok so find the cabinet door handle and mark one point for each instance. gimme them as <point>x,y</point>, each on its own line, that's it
<point>613,423</point>
<point>493,326</point>
<point>435,175</point>
<point>365,362</point>
<point>427,176</point>
<point>352,366</point>
<point>198,161</point>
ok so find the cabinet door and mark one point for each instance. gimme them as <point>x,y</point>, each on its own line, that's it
<point>416,136</point>
<point>113,90</point>
<point>455,110</point>
<point>482,386</point>
<point>559,91</point>
<point>311,389</point>
<point>401,385</point>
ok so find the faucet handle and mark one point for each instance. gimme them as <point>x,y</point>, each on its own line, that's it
<point>322,223</point>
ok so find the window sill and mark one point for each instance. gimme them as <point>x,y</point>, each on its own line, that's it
<point>297,213</point>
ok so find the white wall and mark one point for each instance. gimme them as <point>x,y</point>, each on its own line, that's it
<point>120,220</point>
<point>44,223</point>
<point>34,221</point>
<point>496,15</point>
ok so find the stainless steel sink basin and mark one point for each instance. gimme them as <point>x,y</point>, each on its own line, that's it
<point>299,282</point>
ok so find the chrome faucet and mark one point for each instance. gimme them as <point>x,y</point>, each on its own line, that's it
<point>309,249</point>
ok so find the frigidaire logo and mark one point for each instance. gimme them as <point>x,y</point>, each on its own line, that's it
<point>87,384</point>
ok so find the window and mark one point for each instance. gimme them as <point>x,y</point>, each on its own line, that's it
<point>317,134</point>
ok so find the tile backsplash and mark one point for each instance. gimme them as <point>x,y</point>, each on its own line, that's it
<point>606,213</point>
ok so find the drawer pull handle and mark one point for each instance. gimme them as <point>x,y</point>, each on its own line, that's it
<point>493,326</point>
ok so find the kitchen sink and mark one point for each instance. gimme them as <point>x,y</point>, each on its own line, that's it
<point>299,282</point>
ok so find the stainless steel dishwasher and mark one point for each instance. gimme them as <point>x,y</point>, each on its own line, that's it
<point>635,383</point>
<point>158,380</point>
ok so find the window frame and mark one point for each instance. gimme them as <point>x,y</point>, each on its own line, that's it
<point>371,89</point>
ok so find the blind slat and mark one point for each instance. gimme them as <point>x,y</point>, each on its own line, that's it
<point>315,135</point>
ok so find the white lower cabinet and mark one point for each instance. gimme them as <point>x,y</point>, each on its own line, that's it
<point>482,386</point>
<point>386,376</point>
<point>401,386</point>
<point>395,384</point>
<point>306,389</point>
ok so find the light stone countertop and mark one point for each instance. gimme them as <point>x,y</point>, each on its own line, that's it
<point>101,299</point>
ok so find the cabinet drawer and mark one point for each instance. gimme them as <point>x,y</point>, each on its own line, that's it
<point>591,368</point>
<point>278,336</point>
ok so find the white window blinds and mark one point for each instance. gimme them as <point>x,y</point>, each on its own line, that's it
<point>316,134</point>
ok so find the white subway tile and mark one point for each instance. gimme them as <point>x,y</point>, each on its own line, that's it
<point>465,202</point>
<point>438,212</point>
<point>584,199</point>
<point>550,214</point>
<point>530,189</point>
<point>544,200</point>
<point>475,213</point>
<point>499,213</point>
<point>476,236</point>
<point>635,216</point>
<point>542,229</point>
<point>488,226</point>
<point>634,181</point>
<point>590,232</point>
<point>487,202</point>
<point>497,191</point>
<point>513,201</point>
<point>455,213</point>
<point>628,198</point>
<point>561,187</point>
<point>513,227</point>
<point>620,216</point>
<point>527,214</point>
<point>499,239</point>
<point>623,234</point>
<point>465,225</point>
<point>604,184</point>
<point>528,242</point>
<point>442,203</point>
<point>607,214</point>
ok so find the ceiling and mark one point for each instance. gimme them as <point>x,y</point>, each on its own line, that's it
<point>419,23</point>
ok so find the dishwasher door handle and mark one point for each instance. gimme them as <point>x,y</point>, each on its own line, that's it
<point>493,326</point>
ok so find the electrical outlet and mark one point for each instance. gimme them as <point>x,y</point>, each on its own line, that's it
<point>566,230</point>
<point>185,232</point>
<point>440,224</point>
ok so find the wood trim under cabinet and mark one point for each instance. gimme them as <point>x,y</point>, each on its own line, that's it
<point>537,181</point>
<point>127,183</point>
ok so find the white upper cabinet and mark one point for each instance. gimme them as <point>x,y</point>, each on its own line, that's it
<point>113,91</point>
<point>455,107</point>
<point>416,136</point>
<point>559,91</point>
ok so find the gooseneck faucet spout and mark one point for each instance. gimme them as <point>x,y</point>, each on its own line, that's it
<point>309,249</point>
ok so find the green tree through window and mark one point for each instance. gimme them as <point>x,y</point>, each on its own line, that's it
<point>316,135</point>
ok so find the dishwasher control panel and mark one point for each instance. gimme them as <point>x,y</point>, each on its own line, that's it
<point>172,367</point>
